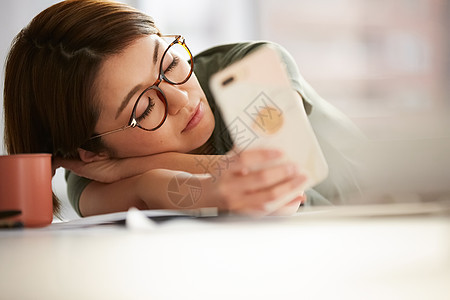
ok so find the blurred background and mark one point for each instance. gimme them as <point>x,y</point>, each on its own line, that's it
<point>384,63</point>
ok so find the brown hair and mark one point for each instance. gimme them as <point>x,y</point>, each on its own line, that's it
<point>49,92</point>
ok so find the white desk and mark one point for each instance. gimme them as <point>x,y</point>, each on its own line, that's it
<point>297,258</point>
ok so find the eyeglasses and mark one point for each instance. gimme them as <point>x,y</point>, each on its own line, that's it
<point>150,110</point>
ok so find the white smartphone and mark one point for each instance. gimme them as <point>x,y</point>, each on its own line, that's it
<point>261,110</point>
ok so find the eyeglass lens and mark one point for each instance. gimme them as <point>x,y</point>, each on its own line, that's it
<point>150,110</point>
<point>175,66</point>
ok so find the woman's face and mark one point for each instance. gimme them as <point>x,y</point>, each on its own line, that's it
<point>123,77</point>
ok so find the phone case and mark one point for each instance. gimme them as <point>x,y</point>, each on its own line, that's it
<point>261,110</point>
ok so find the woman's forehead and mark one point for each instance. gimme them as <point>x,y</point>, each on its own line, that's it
<point>141,51</point>
<point>122,72</point>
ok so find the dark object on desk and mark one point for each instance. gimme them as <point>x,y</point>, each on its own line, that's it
<point>9,213</point>
<point>5,214</point>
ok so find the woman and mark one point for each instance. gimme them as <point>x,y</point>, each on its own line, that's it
<point>97,85</point>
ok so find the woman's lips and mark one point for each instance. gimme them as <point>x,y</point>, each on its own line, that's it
<point>195,118</point>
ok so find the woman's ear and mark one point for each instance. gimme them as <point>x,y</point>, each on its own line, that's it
<point>89,156</point>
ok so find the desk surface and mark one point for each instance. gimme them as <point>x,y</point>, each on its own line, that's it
<point>280,258</point>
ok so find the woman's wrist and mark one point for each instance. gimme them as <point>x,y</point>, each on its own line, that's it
<point>211,193</point>
<point>170,189</point>
<point>192,163</point>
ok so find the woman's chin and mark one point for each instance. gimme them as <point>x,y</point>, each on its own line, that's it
<point>199,140</point>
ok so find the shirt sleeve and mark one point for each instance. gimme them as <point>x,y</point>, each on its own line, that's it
<point>75,186</point>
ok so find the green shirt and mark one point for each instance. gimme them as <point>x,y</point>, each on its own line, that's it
<point>321,114</point>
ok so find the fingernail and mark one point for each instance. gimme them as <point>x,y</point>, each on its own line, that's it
<point>292,169</point>
<point>244,171</point>
<point>273,153</point>
<point>301,179</point>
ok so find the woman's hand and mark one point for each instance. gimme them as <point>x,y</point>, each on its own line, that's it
<point>255,184</point>
<point>105,171</point>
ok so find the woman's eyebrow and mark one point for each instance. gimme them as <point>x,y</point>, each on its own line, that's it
<point>127,99</point>
<point>156,52</point>
<point>139,86</point>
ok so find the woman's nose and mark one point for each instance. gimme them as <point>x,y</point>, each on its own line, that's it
<point>177,97</point>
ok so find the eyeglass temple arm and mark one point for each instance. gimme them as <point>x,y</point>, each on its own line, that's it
<point>132,124</point>
<point>176,36</point>
<point>171,35</point>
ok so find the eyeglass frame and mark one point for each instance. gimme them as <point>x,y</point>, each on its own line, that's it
<point>179,39</point>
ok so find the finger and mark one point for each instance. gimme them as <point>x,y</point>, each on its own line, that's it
<point>266,177</point>
<point>55,165</point>
<point>291,207</point>
<point>287,210</point>
<point>65,163</point>
<point>276,204</point>
<point>247,159</point>
<point>281,194</point>
<point>298,199</point>
<point>268,200</point>
<point>71,164</point>
<point>303,197</point>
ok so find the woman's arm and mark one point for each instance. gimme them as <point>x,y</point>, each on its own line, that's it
<point>114,169</point>
<point>243,187</point>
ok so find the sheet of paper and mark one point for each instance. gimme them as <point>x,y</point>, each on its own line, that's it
<point>120,217</point>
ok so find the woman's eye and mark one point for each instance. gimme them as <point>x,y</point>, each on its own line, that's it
<point>144,108</point>
<point>173,64</point>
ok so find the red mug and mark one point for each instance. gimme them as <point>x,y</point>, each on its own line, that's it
<point>26,190</point>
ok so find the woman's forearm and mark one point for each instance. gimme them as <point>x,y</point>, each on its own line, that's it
<point>154,189</point>
<point>115,169</point>
<point>168,189</point>
<point>192,163</point>
<point>101,198</point>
